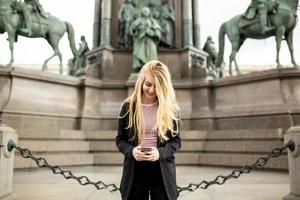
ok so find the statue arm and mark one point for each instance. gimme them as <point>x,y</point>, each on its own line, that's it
<point>133,27</point>
<point>157,29</point>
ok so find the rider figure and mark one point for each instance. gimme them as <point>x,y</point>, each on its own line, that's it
<point>258,7</point>
<point>29,7</point>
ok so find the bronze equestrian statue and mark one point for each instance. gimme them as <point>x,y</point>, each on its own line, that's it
<point>52,29</point>
<point>282,17</point>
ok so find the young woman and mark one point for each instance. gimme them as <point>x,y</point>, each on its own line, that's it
<point>148,136</point>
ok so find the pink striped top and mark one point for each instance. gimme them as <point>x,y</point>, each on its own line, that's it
<point>149,111</point>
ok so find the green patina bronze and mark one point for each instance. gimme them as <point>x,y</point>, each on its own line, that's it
<point>167,23</point>
<point>126,16</point>
<point>77,67</point>
<point>281,21</point>
<point>28,19</point>
<point>146,33</point>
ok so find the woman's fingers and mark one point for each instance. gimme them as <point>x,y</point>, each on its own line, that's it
<point>152,155</point>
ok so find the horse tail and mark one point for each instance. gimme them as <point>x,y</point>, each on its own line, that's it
<point>221,46</point>
<point>70,31</point>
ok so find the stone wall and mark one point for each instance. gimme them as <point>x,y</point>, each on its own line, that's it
<point>33,100</point>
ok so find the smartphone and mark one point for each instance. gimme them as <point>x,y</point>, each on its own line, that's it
<point>145,149</point>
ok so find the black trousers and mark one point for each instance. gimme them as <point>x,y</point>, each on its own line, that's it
<point>148,181</point>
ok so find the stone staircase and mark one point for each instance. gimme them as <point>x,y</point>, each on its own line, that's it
<point>232,148</point>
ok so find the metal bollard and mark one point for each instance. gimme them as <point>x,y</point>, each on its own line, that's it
<point>6,162</point>
<point>294,163</point>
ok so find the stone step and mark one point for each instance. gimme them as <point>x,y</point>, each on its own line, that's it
<point>245,146</point>
<point>185,134</point>
<point>60,159</point>
<point>206,135</point>
<point>52,134</point>
<point>116,158</point>
<point>111,134</point>
<point>187,145</point>
<point>55,145</point>
<point>239,134</point>
<point>103,146</point>
<point>238,160</point>
<point>40,146</point>
<point>182,158</point>
<point>199,147</point>
<point>211,159</point>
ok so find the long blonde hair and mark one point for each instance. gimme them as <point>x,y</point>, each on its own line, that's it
<point>168,109</point>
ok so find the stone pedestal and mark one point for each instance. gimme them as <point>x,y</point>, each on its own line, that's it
<point>6,163</point>
<point>294,163</point>
<point>116,64</point>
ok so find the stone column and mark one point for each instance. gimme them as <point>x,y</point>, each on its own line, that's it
<point>97,23</point>
<point>105,40</point>
<point>196,23</point>
<point>187,23</point>
<point>294,163</point>
<point>6,163</point>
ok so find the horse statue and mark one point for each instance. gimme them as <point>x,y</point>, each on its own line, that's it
<point>51,29</point>
<point>283,18</point>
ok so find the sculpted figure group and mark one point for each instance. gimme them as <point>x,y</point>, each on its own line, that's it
<point>146,28</point>
<point>146,33</point>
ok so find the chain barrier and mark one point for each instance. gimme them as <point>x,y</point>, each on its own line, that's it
<point>219,180</point>
<point>42,163</point>
<point>260,162</point>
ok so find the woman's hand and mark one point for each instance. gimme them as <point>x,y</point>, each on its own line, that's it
<point>137,154</point>
<point>152,155</point>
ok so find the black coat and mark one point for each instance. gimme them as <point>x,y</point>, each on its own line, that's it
<point>166,157</point>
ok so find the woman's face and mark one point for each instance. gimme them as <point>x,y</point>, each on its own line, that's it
<point>148,90</point>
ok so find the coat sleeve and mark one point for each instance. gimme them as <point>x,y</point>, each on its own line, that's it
<point>172,146</point>
<point>122,139</point>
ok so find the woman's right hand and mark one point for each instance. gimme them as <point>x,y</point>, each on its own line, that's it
<point>137,154</point>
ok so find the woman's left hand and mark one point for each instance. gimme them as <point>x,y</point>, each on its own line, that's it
<point>152,155</point>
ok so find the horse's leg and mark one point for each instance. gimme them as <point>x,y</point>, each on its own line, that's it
<point>241,42</point>
<point>60,61</point>
<point>279,34</point>
<point>53,41</point>
<point>45,66</point>
<point>289,40</point>
<point>230,70</point>
<point>234,49</point>
<point>11,38</point>
<point>56,53</point>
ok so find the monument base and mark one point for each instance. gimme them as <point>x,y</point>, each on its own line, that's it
<point>116,64</point>
<point>33,100</point>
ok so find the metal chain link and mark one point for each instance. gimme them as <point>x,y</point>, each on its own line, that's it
<point>42,163</point>
<point>219,180</point>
